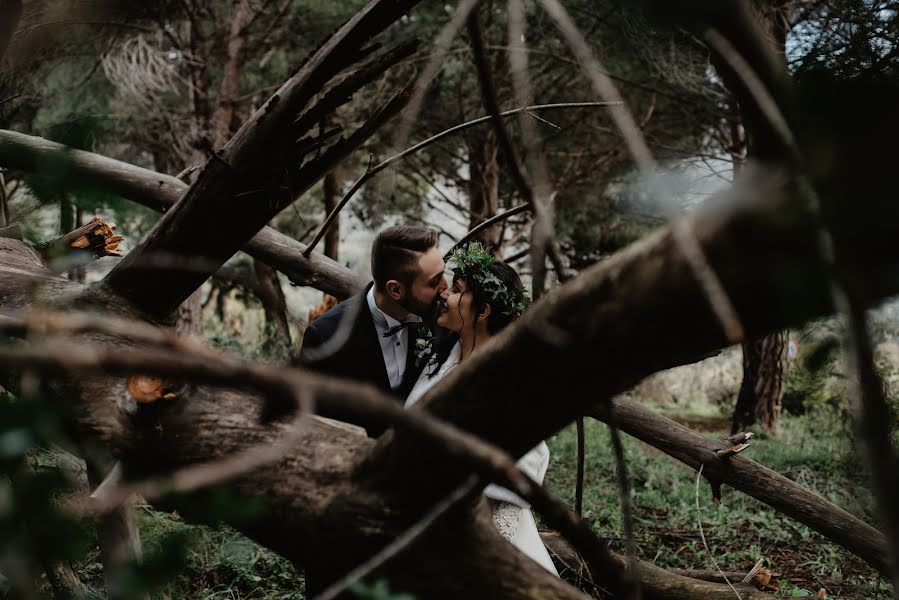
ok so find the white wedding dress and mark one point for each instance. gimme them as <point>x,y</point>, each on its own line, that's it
<point>511,515</point>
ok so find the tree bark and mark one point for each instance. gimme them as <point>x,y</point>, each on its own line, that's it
<point>4,201</point>
<point>330,191</point>
<point>223,115</point>
<point>759,399</point>
<point>273,302</point>
<point>483,187</point>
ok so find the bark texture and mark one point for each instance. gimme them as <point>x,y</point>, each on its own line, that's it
<point>761,392</point>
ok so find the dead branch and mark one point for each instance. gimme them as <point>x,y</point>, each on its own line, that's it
<point>342,91</point>
<point>515,210</point>
<point>617,332</point>
<point>868,387</point>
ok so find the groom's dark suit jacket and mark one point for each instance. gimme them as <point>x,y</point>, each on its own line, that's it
<point>359,357</point>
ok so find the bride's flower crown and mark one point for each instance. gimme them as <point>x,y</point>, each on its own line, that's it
<point>473,263</point>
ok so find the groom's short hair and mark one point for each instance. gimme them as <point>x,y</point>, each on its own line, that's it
<point>395,253</point>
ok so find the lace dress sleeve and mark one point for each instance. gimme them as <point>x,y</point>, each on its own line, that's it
<point>506,518</point>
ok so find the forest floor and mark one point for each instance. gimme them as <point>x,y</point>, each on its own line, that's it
<point>817,452</point>
<point>198,562</point>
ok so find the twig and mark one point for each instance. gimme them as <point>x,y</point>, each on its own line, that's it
<point>372,171</point>
<point>485,224</point>
<point>702,535</point>
<point>542,120</point>
<point>402,541</point>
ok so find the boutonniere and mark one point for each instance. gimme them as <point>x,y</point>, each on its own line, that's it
<point>423,340</point>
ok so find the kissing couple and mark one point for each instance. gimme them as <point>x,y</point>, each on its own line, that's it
<point>410,327</point>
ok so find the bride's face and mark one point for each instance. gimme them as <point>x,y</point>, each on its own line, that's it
<point>456,312</point>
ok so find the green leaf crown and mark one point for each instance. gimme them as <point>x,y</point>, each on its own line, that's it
<point>473,263</point>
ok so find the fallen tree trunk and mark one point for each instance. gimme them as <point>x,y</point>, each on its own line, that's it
<point>749,477</point>
<point>159,192</point>
<point>658,583</point>
<point>320,502</point>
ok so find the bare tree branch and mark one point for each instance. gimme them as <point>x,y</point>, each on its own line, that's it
<point>498,218</point>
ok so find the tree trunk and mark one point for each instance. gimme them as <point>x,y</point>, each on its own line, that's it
<point>330,191</point>
<point>761,392</point>
<point>4,202</point>
<point>483,187</point>
<point>273,302</point>
<point>223,116</point>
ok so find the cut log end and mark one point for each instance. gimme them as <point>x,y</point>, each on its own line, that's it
<point>146,389</point>
<point>96,237</point>
<point>728,452</point>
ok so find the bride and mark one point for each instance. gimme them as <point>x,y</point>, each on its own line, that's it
<point>485,297</point>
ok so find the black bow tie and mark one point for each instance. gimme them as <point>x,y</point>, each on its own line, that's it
<point>399,328</point>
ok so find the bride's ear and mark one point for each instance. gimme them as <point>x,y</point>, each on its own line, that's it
<point>485,312</point>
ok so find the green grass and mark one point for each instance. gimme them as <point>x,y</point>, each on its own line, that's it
<point>200,562</point>
<point>817,452</point>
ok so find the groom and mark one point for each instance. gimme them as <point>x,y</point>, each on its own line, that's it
<point>370,337</point>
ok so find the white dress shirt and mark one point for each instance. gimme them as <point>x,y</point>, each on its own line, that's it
<point>394,348</point>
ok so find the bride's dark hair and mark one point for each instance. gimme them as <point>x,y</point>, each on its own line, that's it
<point>498,319</point>
<point>499,316</point>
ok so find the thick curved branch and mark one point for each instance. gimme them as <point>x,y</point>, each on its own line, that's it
<point>159,192</point>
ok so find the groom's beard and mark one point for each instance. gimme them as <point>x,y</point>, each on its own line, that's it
<point>426,310</point>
